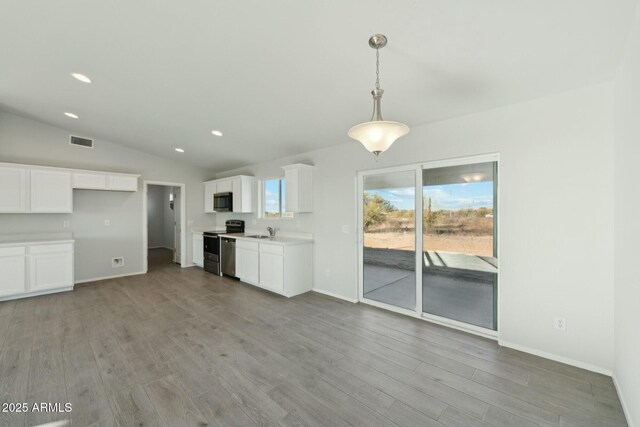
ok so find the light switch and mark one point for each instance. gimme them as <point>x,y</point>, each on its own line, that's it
<point>65,224</point>
<point>107,222</point>
<point>345,228</point>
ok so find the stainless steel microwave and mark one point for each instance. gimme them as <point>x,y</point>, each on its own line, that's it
<point>223,202</point>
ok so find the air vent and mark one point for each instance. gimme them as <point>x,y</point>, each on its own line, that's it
<point>82,142</point>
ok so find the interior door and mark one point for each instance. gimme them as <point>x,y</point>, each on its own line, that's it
<point>389,238</point>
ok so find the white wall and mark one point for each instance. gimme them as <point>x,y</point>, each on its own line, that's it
<point>627,228</point>
<point>556,221</point>
<point>155,216</point>
<point>26,141</point>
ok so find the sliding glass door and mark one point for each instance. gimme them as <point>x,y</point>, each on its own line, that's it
<point>456,251</point>
<point>459,274</point>
<point>389,245</point>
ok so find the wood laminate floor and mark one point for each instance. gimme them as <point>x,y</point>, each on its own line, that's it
<point>181,347</point>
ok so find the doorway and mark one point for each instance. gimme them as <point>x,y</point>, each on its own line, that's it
<point>163,228</point>
<point>447,272</point>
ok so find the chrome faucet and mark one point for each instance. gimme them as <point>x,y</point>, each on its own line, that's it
<point>272,231</point>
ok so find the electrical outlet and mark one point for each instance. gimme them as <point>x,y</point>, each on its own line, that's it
<point>560,323</point>
<point>345,228</point>
<point>65,224</point>
<point>117,262</point>
<point>327,272</point>
<point>107,222</point>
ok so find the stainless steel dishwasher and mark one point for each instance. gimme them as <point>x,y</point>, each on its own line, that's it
<point>229,256</point>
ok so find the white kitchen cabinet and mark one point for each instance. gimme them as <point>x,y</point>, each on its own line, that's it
<point>242,188</point>
<point>210,189</point>
<point>198,249</point>
<point>35,266</point>
<point>13,189</point>
<point>90,180</point>
<point>271,271</point>
<point>13,267</point>
<point>298,187</point>
<point>122,182</point>
<point>247,261</point>
<point>41,189</point>
<point>104,181</point>
<point>50,267</point>
<point>224,186</point>
<point>51,191</point>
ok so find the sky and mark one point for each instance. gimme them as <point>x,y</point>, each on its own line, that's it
<point>450,197</point>
<point>271,202</point>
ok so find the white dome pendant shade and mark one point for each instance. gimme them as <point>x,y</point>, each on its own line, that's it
<point>377,135</point>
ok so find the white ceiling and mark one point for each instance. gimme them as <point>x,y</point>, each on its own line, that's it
<point>284,77</point>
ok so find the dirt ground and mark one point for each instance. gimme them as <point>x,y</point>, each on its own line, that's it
<point>476,245</point>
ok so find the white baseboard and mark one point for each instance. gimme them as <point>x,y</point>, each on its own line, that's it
<point>625,408</point>
<point>331,294</point>
<point>115,276</point>
<point>561,359</point>
<point>36,293</point>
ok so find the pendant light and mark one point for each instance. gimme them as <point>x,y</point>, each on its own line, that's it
<point>378,134</point>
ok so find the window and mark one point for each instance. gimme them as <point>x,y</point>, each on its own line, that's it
<point>273,199</point>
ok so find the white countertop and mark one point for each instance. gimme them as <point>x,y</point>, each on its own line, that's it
<point>36,238</point>
<point>278,240</point>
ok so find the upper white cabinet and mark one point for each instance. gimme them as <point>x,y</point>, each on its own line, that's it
<point>224,186</point>
<point>51,191</point>
<point>122,182</point>
<point>87,180</point>
<point>41,189</point>
<point>13,189</point>
<point>90,180</point>
<point>242,190</point>
<point>210,189</point>
<point>240,186</point>
<point>298,187</point>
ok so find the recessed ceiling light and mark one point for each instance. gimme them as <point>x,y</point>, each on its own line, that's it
<point>216,132</point>
<point>179,150</point>
<point>81,77</point>
<point>73,116</point>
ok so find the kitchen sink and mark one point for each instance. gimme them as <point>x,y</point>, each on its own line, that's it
<point>259,237</point>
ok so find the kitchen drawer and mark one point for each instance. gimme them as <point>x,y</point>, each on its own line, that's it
<point>252,246</point>
<point>272,249</point>
<point>48,249</point>
<point>12,251</point>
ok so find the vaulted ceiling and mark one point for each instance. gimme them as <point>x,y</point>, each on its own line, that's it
<point>282,77</point>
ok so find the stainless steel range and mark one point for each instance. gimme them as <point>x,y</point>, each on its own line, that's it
<point>213,253</point>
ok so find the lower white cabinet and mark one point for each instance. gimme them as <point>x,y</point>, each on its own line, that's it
<point>32,269</point>
<point>50,267</point>
<point>272,267</point>
<point>286,269</point>
<point>247,261</point>
<point>198,249</point>
<point>13,267</point>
